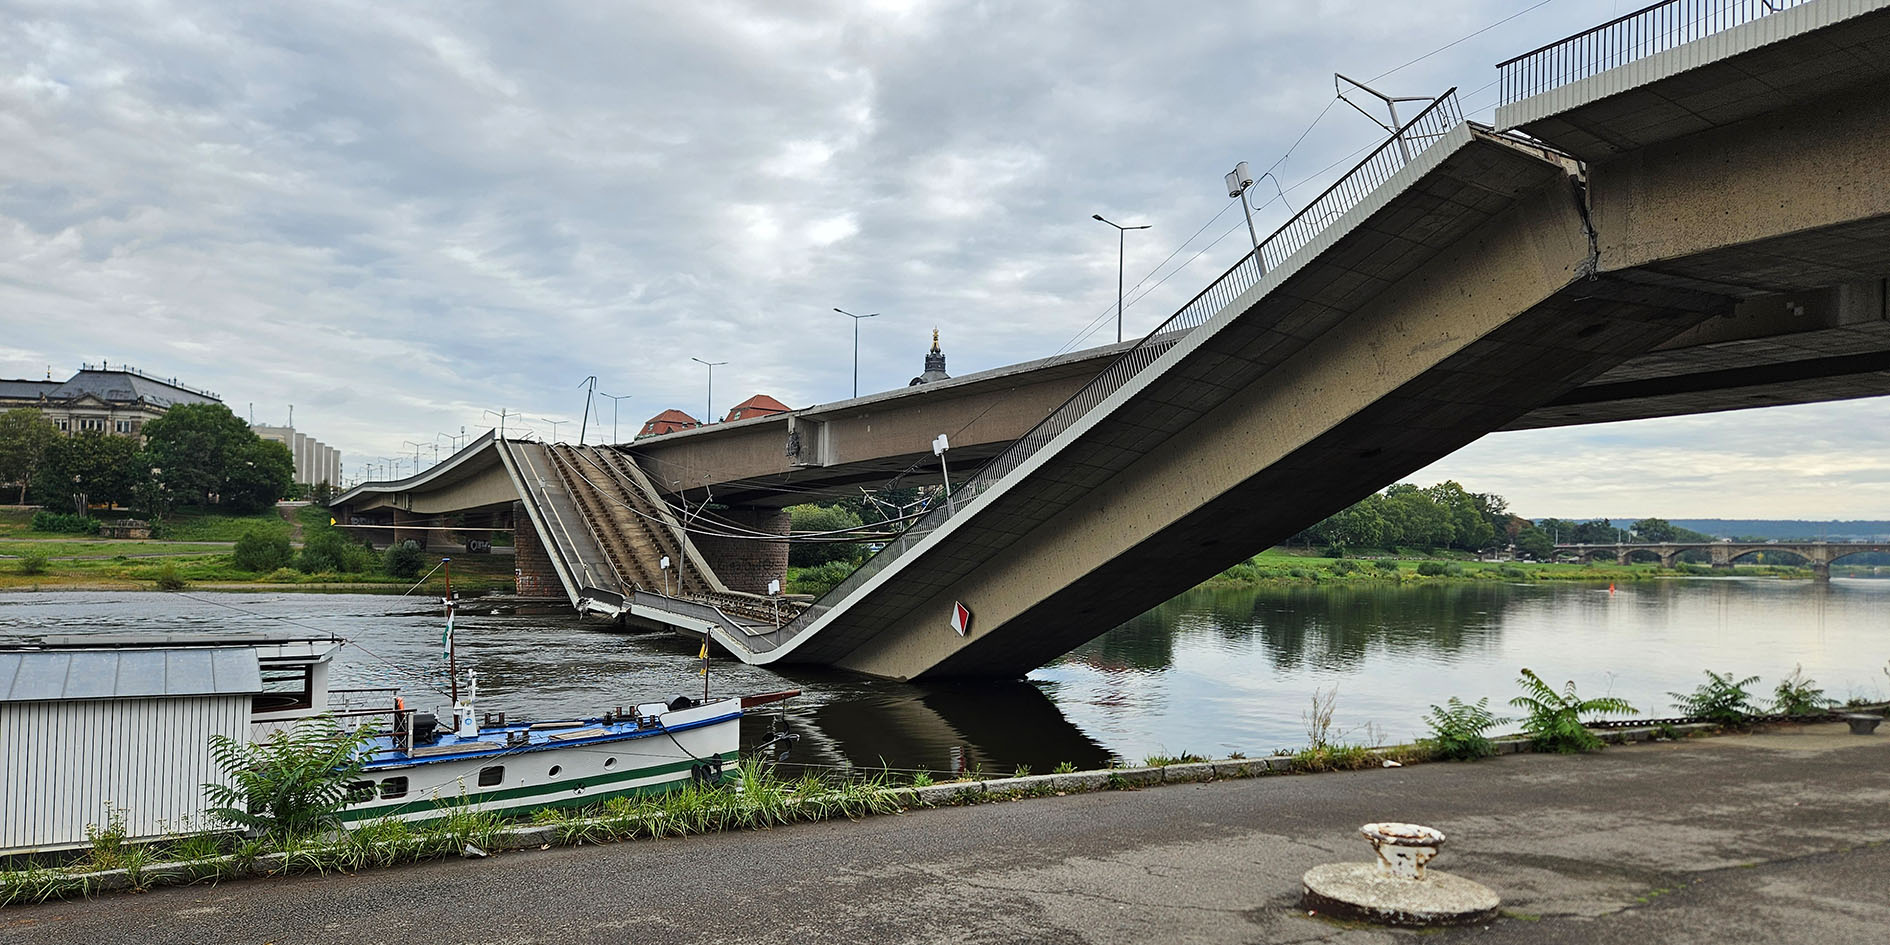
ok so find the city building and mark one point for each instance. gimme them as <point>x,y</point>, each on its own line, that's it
<point>102,398</point>
<point>760,405</point>
<point>934,365</point>
<point>315,461</point>
<point>669,421</point>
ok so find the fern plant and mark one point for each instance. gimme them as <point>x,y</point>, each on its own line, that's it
<point>1796,695</point>
<point>1554,719</point>
<point>1457,730</point>
<point>291,784</point>
<point>1719,699</point>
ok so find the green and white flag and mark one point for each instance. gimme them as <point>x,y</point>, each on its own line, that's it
<point>446,639</point>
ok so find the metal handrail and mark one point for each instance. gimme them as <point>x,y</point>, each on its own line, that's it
<point>1645,32</point>
<point>1388,158</point>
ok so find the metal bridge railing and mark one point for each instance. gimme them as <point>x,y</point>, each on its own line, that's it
<point>1400,149</point>
<point>1637,35</point>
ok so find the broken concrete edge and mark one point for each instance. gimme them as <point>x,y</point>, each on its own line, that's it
<point>944,794</point>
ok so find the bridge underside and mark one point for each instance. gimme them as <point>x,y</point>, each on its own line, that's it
<point>1733,258</point>
<point>1512,311</point>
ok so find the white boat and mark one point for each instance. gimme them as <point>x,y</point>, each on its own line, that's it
<point>418,769</point>
<point>415,771</point>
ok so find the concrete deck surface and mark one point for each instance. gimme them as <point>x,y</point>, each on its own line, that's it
<point>1770,837</point>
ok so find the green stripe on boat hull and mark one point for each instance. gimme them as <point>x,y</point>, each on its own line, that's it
<point>591,790</point>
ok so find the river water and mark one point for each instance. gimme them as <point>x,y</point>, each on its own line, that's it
<point>1211,672</point>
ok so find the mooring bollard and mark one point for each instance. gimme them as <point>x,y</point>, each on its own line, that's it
<point>1395,888</point>
<point>1402,849</point>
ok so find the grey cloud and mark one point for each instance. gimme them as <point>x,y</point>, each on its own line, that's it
<point>398,216</point>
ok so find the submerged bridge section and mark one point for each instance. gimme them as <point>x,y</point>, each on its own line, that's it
<point>1817,555</point>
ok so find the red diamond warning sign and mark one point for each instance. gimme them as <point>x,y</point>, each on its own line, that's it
<point>961,619</point>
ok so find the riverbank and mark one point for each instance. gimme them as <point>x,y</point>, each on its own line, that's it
<point>1778,839</point>
<point>1287,567</point>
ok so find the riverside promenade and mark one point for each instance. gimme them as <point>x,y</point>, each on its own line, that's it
<point>1776,837</point>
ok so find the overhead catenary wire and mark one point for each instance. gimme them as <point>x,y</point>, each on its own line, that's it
<point>1142,289</point>
<point>329,634</point>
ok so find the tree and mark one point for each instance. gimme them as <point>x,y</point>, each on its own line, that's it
<point>1535,543</point>
<point>25,436</point>
<point>1416,519</point>
<point>260,473</point>
<point>1655,529</point>
<point>1470,527</point>
<point>102,467</point>
<point>206,453</point>
<point>1361,525</point>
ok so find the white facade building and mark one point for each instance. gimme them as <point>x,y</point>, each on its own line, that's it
<point>315,461</point>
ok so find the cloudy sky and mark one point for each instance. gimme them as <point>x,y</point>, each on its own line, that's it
<point>400,216</point>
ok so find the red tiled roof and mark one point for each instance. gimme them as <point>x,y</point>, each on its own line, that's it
<point>669,421</point>
<point>760,405</point>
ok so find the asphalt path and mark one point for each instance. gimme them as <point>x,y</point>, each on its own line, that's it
<point>1772,837</point>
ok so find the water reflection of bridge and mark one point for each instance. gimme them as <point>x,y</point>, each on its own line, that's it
<point>1818,555</point>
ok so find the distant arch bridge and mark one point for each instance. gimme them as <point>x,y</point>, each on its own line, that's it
<point>1818,555</point>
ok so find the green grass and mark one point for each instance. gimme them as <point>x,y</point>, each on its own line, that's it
<point>198,525</point>
<point>15,520</point>
<point>1298,566</point>
<point>471,573</point>
<point>105,548</point>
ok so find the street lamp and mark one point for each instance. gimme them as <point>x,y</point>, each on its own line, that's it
<point>709,402</point>
<point>1121,244</point>
<point>1238,180</point>
<point>856,345</point>
<point>615,399</point>
<point>554,426</point>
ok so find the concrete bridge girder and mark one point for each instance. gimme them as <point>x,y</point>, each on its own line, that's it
<point>1409,376</point>
<point>1799,200</point>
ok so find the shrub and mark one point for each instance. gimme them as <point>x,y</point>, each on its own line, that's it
<point>290,785</point>
<point>169,580</point>
<point>32,563</point>
<point>64,524</point>
<point>1440,569</point>
<point>821,518</point>
<point>1385,564</point>
<point>1513,573</point>
<point>1342,566</point>
<point>328,549</point>
<point>403,560</point>
<point>1457,730</point>
<point>819,580</point>
<point>1797,695</point>
<point>1554,721</point>
<point>262,551</point>
<point>1245,572</point>
<point>1719,699</point>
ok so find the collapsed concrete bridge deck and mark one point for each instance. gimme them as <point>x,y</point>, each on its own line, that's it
<point>1652,245</point>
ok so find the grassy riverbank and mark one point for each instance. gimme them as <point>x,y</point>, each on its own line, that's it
<point>197,550</point>
<point>1278,566</point>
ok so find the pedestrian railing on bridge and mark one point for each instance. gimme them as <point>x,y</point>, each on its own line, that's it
<point>1354,186</point>
<point>1637,35</point>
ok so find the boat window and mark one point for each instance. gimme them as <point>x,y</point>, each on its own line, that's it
<point>556,769</point>
<point>394,787</point>
<point>285,687</point>
<point>491,776</point>
<point>610,763</point>
<point>359,791</point>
